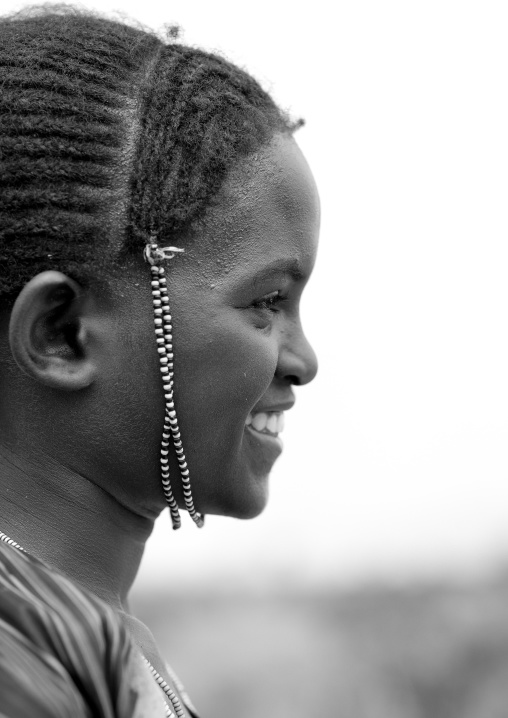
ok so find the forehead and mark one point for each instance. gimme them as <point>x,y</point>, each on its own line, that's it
<point>267,211</point>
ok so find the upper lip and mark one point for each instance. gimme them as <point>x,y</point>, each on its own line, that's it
<point>282,406</point>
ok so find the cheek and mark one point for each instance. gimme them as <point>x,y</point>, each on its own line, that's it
<point>133,394</point>
<point>219,379</point>
<point>217,383</point>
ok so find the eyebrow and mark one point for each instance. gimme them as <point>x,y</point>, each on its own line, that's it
<point>288,267</point>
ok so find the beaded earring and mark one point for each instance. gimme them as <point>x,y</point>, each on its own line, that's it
<point>155,255</point>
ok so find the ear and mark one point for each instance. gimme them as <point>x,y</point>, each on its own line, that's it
<point>48,332</point>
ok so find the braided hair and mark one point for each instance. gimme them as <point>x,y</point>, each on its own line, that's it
<point>109,134</point>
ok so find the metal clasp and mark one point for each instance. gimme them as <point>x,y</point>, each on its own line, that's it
<point>154,254</point>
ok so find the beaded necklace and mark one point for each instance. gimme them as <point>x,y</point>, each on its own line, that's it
<point>168,692</point>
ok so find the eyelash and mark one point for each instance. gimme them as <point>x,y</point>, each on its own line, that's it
<point>269,301</point>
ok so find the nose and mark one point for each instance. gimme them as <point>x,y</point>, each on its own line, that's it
<point>297,359</point>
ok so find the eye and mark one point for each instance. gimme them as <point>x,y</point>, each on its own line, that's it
<point>269,301</point>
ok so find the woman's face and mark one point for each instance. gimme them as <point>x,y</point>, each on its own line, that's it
<point>238,341</point>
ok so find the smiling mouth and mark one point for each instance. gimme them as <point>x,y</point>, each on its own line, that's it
<point>269,423</point>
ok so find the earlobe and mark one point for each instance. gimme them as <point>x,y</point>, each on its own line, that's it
<point>47,333</point>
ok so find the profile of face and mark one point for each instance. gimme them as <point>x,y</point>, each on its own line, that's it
<point>238,343</point>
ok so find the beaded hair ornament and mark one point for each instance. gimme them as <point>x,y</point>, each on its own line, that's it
<point>155,256</point>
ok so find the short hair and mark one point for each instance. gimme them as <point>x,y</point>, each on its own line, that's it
<point>109,135</point>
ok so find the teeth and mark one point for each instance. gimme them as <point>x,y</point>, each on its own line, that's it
<point>266,422</point>
<point>280,422</point>
<point>271,424</point>
<point>259,422</point>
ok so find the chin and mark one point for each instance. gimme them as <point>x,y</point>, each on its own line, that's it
<point>242,503</point>
<point>250,512</point>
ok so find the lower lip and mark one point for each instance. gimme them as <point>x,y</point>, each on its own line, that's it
<point>267,441</point>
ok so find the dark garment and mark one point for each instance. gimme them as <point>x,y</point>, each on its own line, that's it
<point>63,652</point>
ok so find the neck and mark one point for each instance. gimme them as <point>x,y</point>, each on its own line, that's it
<point>71,524</point>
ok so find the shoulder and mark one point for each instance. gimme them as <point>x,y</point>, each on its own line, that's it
<point>63,651</point>
<point>52,612</point>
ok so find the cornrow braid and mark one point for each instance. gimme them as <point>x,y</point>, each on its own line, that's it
<point>66,80</point>
<point>200,115</point>
<point>109,136</point>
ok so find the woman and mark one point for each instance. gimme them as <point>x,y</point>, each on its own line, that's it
<point>158,226</point>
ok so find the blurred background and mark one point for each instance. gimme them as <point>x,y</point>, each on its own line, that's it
<point>375,584</point>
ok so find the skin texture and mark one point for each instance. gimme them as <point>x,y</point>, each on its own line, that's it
<point>82,402</point>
